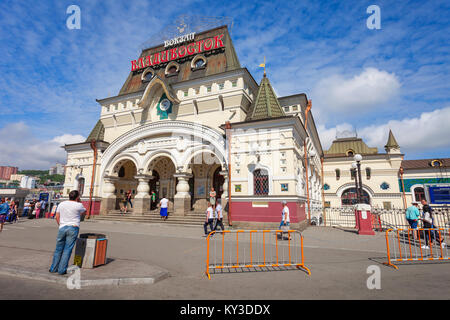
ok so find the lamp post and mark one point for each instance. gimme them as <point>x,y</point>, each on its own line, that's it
<point>354,167</point>
<point>358,159</point>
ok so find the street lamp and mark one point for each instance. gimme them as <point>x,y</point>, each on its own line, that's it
<point>354,167</point>
<point>358,159</point>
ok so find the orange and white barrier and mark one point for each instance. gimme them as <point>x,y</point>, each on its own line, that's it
<point>422,244</point>
<point>258,249</point>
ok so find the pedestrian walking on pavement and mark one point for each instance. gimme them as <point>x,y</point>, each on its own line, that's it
<point>4,209</point>
<point>219,216</point>
<point>26,208</point>
<point>209,219</point>
<point>68,216</point>
<point>13,212</point>
<point>153,201</point>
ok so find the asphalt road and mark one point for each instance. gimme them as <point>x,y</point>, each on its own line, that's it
<point>337,259</point>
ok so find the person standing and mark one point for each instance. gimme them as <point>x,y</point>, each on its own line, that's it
<point>4,209</point>
<point>413,216</point>
<point>37,209</point>
<point>124,203</point>
<point>68,216</point>
<point>212,197</point>
<point>129,198</point>
<point>284,215</point>
<point>164,203</point>
<point>26,208</point>
<point>209,219</point>
<point>219,216</point>
<point>12,212</point>
<point>153,200</point>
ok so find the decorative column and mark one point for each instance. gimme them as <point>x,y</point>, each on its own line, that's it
<point>224,198</point>
<point>182,199</point>
<point>109,198</point>
<point>142,199</point>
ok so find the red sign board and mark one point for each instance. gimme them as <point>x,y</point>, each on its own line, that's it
<point>178,52</point>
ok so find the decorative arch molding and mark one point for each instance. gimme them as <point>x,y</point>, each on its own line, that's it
<point>118,160</point>
<point>155,155</point>
<point>167,90</point>
<point>251,168</point>
<point>116,150</point>
<point>346,186</point>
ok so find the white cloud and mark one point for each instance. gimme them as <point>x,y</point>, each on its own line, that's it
<point>362,92</point>
<point>22,149</point>
<point>427,131</point>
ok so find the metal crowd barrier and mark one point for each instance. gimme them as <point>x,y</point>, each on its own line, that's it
<point>405,245</point>
<point>233,249</point>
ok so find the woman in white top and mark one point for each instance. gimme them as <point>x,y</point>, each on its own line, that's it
<point>163,205</point>
<point>209,219</point>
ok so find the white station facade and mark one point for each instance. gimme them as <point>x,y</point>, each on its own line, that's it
<point>189,118</point>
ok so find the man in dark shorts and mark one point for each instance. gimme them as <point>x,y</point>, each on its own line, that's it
<point>412,216</point>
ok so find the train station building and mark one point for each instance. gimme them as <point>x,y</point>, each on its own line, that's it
<point>189,118</point>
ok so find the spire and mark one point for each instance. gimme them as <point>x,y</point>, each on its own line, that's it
<point>391,143</point>
<point>266,104</point>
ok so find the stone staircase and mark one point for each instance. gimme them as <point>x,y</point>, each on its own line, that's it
<point>192,218</point>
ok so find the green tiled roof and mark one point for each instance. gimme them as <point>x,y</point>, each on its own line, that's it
<point>342,145</point>
<point>97,133</point>
<point>266,104</point>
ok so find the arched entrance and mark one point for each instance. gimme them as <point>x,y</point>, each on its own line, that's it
<point>126,172</point>
<point>163,182</point>
<point>350,197</point>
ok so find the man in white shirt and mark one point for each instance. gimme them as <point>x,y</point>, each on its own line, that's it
<point>219,216</point>
<point>68,216</point>
<point>284,215</point>
<point>209,218</point>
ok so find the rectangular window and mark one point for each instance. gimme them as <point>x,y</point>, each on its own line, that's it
<point>294,108</point>
<point>234,83</point>
<point>186,93</point>
<point>208,88</point>
<point>221,85</point>
<point>286,109</point>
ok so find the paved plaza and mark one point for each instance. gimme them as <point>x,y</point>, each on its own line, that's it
<point>338,260</point>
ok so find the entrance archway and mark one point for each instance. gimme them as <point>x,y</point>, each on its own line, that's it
<point>163,182</point>
<point>125,181</point>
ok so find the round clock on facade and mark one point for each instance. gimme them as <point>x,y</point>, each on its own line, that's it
<point>164,105</point>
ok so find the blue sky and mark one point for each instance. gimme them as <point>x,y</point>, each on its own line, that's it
<point>358,79</point>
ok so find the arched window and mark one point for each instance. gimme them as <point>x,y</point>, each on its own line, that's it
<point>261,182</point>
<point>349,197</point>
<point>338,174</point>
<point>419,194</point>
<point>368,173</point>
<point>350,153</point>
<point>353,173</point>
<point>80,186</point>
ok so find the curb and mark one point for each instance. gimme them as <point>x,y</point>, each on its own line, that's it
<point>26,274</point>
